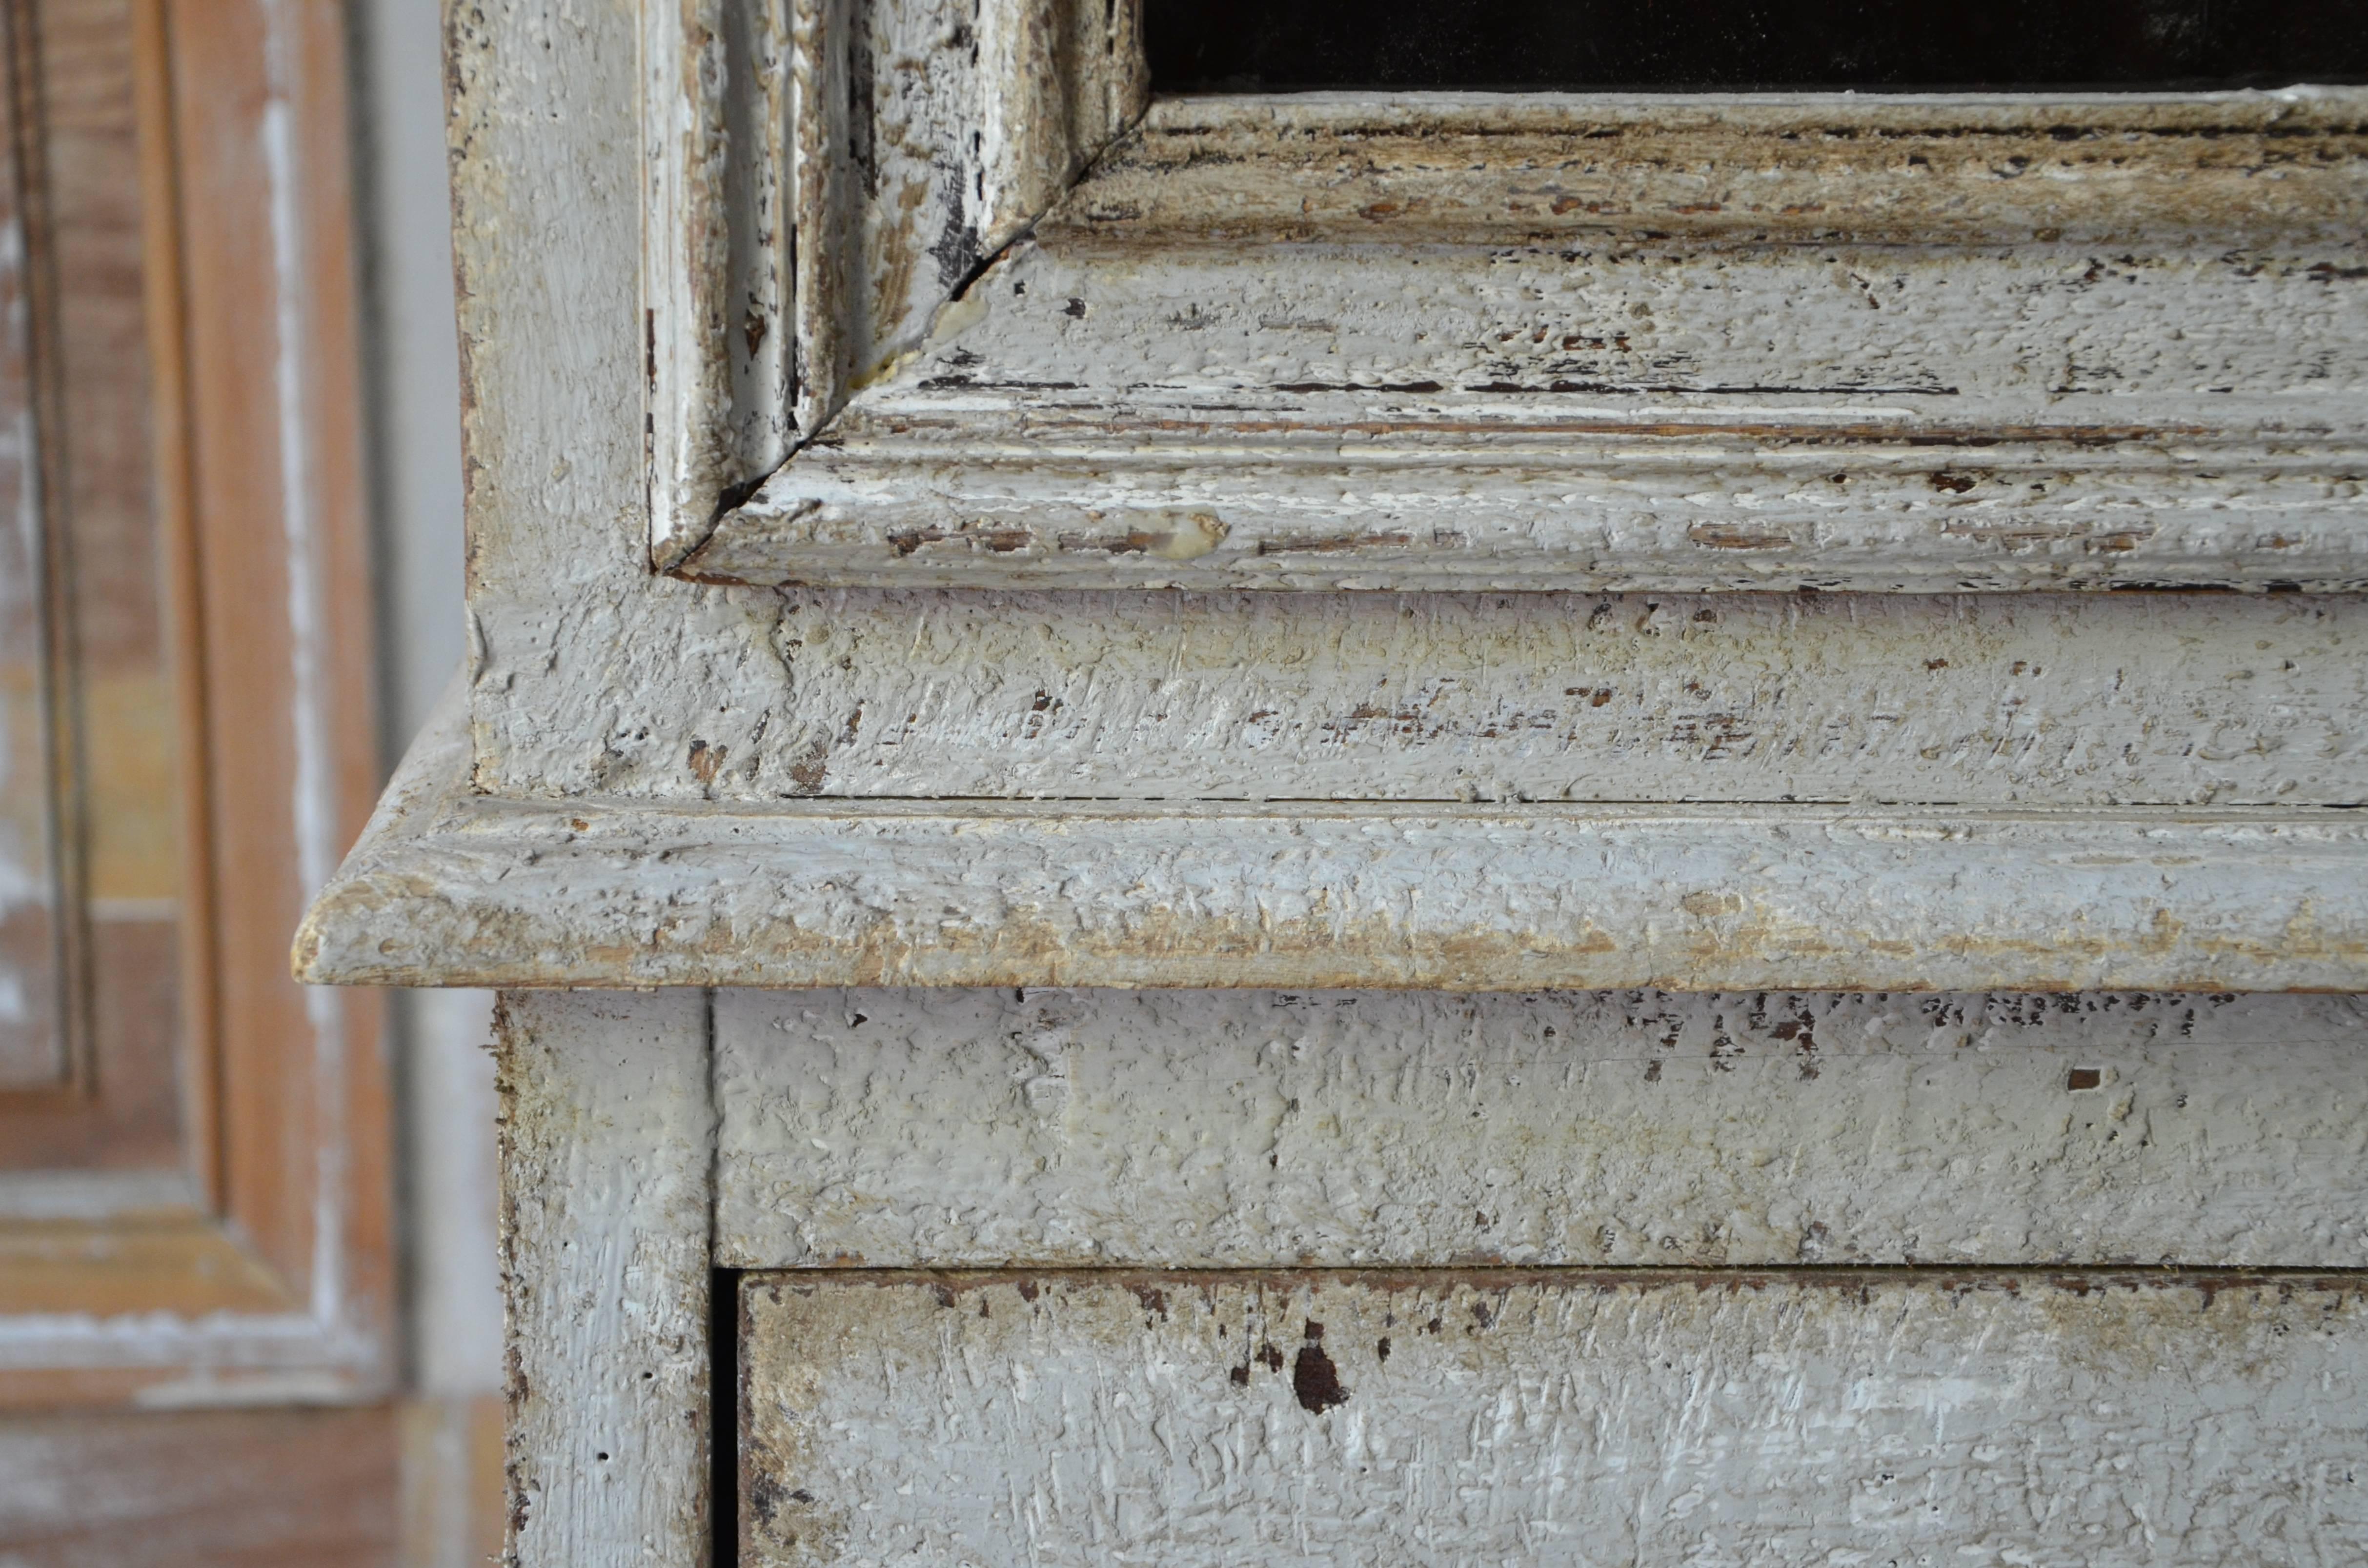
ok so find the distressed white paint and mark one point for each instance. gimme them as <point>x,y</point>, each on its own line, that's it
<point>1851,1417</point>
<point>606,1142</point>
<point>1914,168</point>
<point>450,887</point>
<point>925,140</point>
<point>2039,699</point>
<point>1913,344</point>
<point>930,1127</point>
<point>916,140</point>
<point>613,817</point>
<point>589,676</point>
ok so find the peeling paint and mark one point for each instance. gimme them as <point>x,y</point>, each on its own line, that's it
<point>1637,1416</point>
<point>974,1128</point>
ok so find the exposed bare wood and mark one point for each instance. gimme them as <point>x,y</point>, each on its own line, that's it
<point>43,985</point>
<point>259,1488</point>
<point>180,563</point>
<point>454,1512</point>
<point>607,1137</point>
<point>274,424</point>
<point>1649,1418</point>
<point>184,1265</point>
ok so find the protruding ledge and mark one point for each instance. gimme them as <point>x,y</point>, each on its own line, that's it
<point>451,888</point>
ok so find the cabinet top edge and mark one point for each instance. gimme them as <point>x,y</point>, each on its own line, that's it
<point>450,887</point>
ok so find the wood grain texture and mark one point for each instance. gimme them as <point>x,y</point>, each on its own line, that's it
<point>452,888</point>
<point>454,1510</point>
<point>607,1137</point>
<point>967,1129</point>
<point>128,1265</point>
<point>209,1222</point>
<point>39,897</point>
<point>228,1489</point>
<point>1922,344</point>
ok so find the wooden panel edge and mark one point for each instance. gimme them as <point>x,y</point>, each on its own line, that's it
<point>449,887</point>
<point>607,1132</point>
<point>184,1265</point>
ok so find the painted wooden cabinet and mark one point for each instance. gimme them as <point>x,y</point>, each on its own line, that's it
<point>1431,828</point>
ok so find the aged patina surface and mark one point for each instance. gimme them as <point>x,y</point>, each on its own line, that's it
<point>1329,573</point>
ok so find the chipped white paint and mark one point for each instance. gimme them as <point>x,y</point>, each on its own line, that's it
<point>606,1142</point>
<point>716,264</point>
<point>932,1128</point>
<point>1844,1417</point>
<point>925,142</point>
<point>660,782</point>
<point>2055,700</point>
<point>591,676</point>
<point>1918,343</point>
<point>448,887</point>
<point>820,176</point>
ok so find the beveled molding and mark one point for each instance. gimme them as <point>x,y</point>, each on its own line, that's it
<point>1043,336</point>
<point>448,887</point>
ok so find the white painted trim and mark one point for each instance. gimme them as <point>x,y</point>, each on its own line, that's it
<point>452,888</point>
<point>1051,462</point>
<point>934,1128</point>
<point>818,178</point>
<point>606,1139</point>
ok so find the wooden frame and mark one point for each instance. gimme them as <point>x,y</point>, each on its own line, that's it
<point>266,1276</point>
<point>701,241</point>
<point>1880,359</point>
<point>464,890</point>
<point>607,1131</point>
<point>672,778</point>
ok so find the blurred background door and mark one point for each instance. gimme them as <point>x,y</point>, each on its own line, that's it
<point>202,1347</point>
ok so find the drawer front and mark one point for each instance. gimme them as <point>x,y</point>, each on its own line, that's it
<point>1636,1417</point>
<point>1184,1278</point>
<point>979,1128</point>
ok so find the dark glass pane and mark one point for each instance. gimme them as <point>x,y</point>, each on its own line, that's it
<point>1277,45</point>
